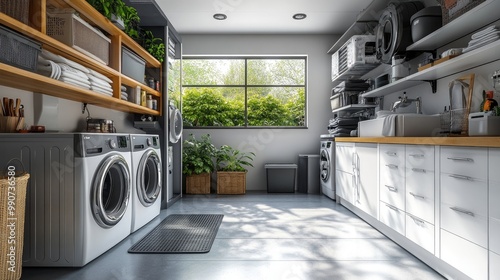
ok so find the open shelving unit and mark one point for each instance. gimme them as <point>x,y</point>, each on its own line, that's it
<point>25,80</point>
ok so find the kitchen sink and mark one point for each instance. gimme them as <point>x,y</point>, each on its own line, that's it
<point>401,125</point>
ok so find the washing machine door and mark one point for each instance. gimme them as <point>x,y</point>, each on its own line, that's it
<point>324,163</point>
<point>110,191</point>
<point>175,124</point>
<point>148,182</point>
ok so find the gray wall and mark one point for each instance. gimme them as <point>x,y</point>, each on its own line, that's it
<point>273,145</point>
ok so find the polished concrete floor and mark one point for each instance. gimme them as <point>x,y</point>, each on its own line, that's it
<point>262,236</point>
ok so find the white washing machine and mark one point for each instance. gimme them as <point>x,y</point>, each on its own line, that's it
<point>146,179</point>
<point>175,123</point>
<point>327,168</point>
<point>77,204</point>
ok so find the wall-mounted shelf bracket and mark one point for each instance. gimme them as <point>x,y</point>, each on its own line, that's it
<point>433,84</point>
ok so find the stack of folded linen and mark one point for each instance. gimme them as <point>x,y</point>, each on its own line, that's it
<point>482,38</point>
<point>63,69</point>
<point>100,83</point>
<point>342,126</point>
<point>124,94</point>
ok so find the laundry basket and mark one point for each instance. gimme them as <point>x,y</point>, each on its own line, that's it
<point>12,207</point>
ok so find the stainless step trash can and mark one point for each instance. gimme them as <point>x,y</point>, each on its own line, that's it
<point>308,174</point>
<point>280,177</point>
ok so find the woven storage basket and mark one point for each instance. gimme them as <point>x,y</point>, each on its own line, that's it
<point>75,32</point>
<point>198,183</point>
<point>18,50</point>
<point>12,208</point>
<point>231,182</point>
<point>18,9</point>
<point>452,9</point>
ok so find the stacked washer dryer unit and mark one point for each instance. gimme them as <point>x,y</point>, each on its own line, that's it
<point>175,134</point>
<point>146,179</point>
<point>78,197</point>
<point>327,166</point>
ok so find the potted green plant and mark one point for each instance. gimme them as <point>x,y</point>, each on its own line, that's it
<point>153,45</point>
<point>112,9</point>
<point>198,163</point>
<point>231,167</point>
<point>131,21</point>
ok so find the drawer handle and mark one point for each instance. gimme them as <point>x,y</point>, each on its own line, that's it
<point>417,221</point>
<point>462,211</point>
<point>418,170</point>
<point>417,196</point>
<point>417,155</point>
<point>392,154</point>
<point>392,166</point>
<point>461,177</point>
<point>392,189</point>
<point>392,207</point>
<point>461,159</point>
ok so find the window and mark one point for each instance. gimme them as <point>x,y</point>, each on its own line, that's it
<point>244,91</point>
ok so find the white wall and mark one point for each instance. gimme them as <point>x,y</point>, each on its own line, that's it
<point>69,117</point>
<point>273,145</point>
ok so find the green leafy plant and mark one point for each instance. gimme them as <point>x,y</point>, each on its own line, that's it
<point>197,155</point>
<point>131,20</point>
<point>229,159</point>
<point>154,45</point>
<point>108,8</point>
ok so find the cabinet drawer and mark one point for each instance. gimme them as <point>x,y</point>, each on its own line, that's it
<point>420,206</point>
<point>468,194</point>
<point>420,182</point>
<point>471,162</point>
<point>494,267</point>
<point>420,156</point>
<point>392,154</point>
<point>392,217</point>
<point>468,225</point>
<point>420,232</point>
<point>495,235</point>
<point>344,156</point>
<point>344,185</point>
<point>392,193</point>
<point>464,255</point>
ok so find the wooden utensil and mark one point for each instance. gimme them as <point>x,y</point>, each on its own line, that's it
<point>11,107</point>
<point>18,105</point>
<point>5,106</point>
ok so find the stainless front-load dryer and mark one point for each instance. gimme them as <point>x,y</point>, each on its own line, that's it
<point>327,168</point>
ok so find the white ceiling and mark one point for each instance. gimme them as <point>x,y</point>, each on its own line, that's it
<point>262,16</point>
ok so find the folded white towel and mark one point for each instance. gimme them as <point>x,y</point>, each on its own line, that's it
<point>482,44</point>
<point>101,88</point>
<point>67,68</point>
<point>124,94</point>
<point>59,59</point>
<point>485,38</point>
<point>100,76</point>
<point>74,82</point>
<point>96,81</point>
<point>103,92</point>
<point>43,61</point>
<point>124,98</point>
<point>483,32</point>
<point>72,75</point>
<point>389,125</point>
<point>123,88</point>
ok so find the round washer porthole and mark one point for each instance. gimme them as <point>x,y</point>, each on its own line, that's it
<point>110,191</point>
<point>148,185</point>
<point>175,124</point>
<point>325,166</point>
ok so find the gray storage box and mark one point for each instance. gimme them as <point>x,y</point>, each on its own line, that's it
<point>133,66</point>
<point>281,177</point>
<point>308,174</point>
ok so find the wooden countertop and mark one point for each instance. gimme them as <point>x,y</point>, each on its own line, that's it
<point>493,141</point>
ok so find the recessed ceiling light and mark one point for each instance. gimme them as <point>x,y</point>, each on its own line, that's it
<point>299,16</point>
<point>220,16</point>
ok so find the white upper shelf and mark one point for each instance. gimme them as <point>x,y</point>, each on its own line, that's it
<point>464,62</point>
<point>480,16</point>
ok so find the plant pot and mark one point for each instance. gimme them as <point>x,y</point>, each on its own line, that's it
<point>232,182</point>
<point>198,184</point>
<point>118,22</point>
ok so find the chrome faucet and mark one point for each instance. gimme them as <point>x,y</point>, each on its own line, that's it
<point>405,102</point>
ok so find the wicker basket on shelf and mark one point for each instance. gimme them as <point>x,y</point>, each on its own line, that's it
<point>17,9</point>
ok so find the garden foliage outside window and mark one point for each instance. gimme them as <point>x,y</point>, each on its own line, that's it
<point>244,91</point>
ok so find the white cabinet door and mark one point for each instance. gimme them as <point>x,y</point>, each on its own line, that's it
<point>464,255</point>
<point>494,201</point>
<point>344,185</point>
<point>420,156</point>
<point>420,181</point>
<point>420,232</point>
<point>392,174</point>
<point>465,161</point>
<point>344,156</point>
<point>393,217</point>
<point>366,187</point>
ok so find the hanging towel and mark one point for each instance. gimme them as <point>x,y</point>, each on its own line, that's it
<point>389,125</point>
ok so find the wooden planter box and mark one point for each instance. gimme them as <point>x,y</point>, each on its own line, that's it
<point>198,184</point>
<point>231,182</point>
